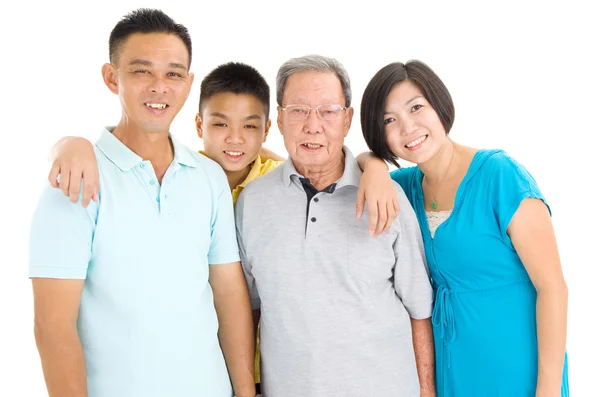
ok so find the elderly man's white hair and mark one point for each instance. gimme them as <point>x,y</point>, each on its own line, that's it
<point>313,63</point>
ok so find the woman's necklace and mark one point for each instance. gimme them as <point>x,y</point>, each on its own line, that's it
<point>434,204</point>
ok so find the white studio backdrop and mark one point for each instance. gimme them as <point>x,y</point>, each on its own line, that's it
<point>523,75</point>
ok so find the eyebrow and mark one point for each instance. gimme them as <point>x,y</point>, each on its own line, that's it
<point>144,62</point>
<point>407,102</point>
<point>223,116</point>
<point>252,117</point>
<point>416,97</point>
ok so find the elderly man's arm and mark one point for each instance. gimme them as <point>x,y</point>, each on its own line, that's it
<point>422,335</point>
<point>412,285</point>
<point>236,335</point>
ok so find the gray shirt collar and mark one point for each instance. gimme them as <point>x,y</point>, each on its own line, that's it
<point>350,177</point>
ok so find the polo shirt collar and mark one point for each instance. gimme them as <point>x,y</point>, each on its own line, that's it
<point>350,177</point>
<point>126,159</point>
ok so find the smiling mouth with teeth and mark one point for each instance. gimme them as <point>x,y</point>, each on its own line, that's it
<point>158,106</point>
<point>416,141</point>
<point>233,153</point>
<point>312,145</point>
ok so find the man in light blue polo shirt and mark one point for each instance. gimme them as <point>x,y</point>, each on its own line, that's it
<point>141,293</point>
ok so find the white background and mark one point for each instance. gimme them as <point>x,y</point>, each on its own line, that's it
<point>524,77</point>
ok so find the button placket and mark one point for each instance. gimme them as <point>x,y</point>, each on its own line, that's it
<point>151,182</point>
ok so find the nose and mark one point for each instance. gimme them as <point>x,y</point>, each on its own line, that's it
<point>408,126</point>
<point>313,124</point>
<point>158,85</point>
<point>235,136</point>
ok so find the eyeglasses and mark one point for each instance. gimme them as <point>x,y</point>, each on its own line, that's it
<point>325,112</point>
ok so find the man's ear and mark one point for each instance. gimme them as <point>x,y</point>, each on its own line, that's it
<point>279,119</point>
<point>348,120</point>
<point>267,127</point>
<point>190,81</point>
<point>199,125</point>
<point>109,75</point>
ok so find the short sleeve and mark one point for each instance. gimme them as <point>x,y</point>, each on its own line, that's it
<point>246,265</point>
<point>411,277</point>
<point>511,184</point>
<point>61,236</point>
<point>223,242</point>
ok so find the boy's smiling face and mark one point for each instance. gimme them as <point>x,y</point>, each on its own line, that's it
<point>233,128</point>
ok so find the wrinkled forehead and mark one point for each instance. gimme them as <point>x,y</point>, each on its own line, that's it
<point>313,87</point>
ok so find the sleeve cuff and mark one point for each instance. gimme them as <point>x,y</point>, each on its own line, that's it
<point>420,312</point>
<point>219,259</point>
<point>61,272</point>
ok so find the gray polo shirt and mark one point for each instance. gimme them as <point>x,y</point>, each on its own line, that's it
<point>335,302</point>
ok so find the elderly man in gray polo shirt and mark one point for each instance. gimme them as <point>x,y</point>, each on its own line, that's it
<point>341,313</point>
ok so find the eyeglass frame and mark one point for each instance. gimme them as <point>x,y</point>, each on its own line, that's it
<point>316,109</point>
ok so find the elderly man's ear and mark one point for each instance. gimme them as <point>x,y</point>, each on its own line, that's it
<point>348,119</point>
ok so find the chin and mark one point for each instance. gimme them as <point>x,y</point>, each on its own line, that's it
<point>229,167</point>
<point>156,129</point>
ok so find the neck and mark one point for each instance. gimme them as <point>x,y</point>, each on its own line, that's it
<point>436,168</point>
<point>323,176</point>
<point>155,147</point>
<point>236,177</point>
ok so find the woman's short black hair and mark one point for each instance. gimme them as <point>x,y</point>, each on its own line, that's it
<point>373,102</point>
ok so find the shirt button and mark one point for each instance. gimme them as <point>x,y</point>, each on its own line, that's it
<point>152,182</point>
<point>316,199</point>
<point>313,219</point>
<point>142,165</point>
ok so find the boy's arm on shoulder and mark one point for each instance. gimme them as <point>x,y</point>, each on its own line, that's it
<point>74,159</point>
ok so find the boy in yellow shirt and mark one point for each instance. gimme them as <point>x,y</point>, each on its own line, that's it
<point>233,121</point>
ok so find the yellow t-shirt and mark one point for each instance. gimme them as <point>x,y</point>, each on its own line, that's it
<point>259,167</point>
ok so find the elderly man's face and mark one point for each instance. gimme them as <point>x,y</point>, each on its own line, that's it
<point>317,140</point>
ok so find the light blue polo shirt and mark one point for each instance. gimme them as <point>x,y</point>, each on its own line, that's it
<point>147,321</point>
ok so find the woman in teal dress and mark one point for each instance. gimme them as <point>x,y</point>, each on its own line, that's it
<point>501,300</point>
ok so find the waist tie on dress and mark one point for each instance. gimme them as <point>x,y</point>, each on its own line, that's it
<point>443,317</point>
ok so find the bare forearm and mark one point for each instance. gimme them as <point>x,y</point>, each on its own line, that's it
<point>63,361</point>
<point>237,340</point>
<point>552,336</point>
<point>424,354</point>
<point>363,159</point>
